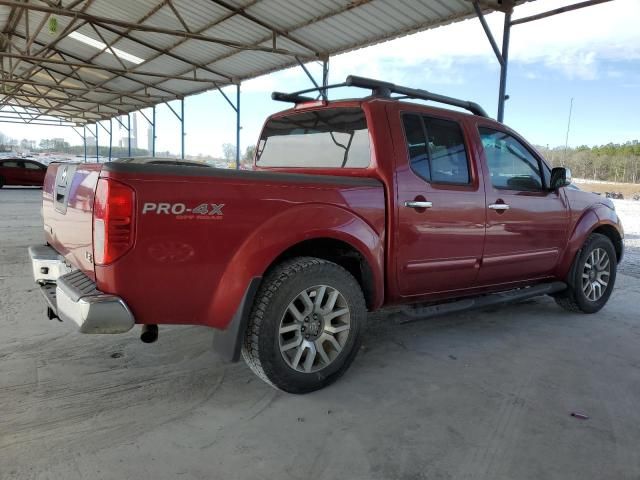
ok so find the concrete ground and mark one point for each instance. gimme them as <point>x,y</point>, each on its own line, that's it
<point>476,395</point>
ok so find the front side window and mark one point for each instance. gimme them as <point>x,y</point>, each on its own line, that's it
<point>332,138</point>
<point>436,150</point>
<point>9,164</point>
<point>32,166</point>
<point>510,164</point>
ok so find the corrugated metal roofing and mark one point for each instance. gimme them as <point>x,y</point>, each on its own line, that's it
<point>185,46</point>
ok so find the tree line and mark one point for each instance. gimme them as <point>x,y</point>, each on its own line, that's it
<point>613,162</point>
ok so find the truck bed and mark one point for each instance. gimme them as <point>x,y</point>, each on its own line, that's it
<point>202,234</point>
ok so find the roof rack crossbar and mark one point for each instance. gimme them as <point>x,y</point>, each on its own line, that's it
<point>297,97</point>
<point>383,89</point>
<point>380,87</point>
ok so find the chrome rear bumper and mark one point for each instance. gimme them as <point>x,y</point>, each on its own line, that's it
<point>72,296</point>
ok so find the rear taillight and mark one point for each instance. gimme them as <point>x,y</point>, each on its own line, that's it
<point>113,211</point>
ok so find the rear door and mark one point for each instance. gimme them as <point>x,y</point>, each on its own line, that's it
<point>440,206</point>
<point>526,223</point>
<point>34,173</point>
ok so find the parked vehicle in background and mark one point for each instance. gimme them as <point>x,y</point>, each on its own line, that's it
<point>353,205</point>
<point>22,172</point>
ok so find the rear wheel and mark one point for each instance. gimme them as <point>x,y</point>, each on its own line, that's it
<point>306,325</point>
<point>592,276</point>
<point>1,182</point>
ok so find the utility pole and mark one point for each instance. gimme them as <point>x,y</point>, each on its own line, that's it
<point>566,139</point>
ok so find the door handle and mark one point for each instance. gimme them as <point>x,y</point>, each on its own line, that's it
<point>417,204</point>
<point>499,206</point>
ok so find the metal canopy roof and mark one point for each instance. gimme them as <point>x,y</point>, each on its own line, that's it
<point>80,61</point>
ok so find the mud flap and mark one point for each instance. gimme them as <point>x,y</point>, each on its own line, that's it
<point>227,344</point>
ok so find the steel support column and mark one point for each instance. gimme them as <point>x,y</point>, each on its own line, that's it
<point>182,134</point>
<point>97,144</point>
<point>238,126</point>
<point>84,128</point>
<point>152,122</point>
<point>153,133</point>
<point>180,117</point>
<point>325,73</point>
<point>502,56</point>
<point>502,95</point>
<point>129,133</point>
<point>109,132</point>
<point>323,93</point>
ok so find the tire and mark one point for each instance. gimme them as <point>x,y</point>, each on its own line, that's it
<point>1,182</point>
<point>578,297</point>
<point>289,325</point>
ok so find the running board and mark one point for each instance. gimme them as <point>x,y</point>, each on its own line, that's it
<point>501,298</point>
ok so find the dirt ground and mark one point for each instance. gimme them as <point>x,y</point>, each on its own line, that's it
<point>627,189</point>
<point>482,395</point>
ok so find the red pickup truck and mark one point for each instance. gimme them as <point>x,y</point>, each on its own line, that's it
<point>352,205</point>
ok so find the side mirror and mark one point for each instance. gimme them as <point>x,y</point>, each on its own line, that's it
<point>560,177</point>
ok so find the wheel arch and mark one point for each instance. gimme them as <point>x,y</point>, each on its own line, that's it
<point>614,235</point>
<point>596,220</point>
<point>360,250</point>
<point>339,252</point>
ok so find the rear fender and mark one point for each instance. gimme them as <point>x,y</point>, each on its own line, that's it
<point>279,233</point>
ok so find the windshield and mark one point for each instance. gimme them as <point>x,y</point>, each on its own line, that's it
<point>335,138</point>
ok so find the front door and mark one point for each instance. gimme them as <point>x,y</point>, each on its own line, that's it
<point>439,207</point>
<point>526,222</point>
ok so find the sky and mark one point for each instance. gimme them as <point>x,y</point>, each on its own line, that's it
<point>591,55</point>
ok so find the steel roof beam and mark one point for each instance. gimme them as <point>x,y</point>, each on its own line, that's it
<point>64,123</point>
<point>68,29</point>
<point>347,7</point>
<point>243,13</point>
<point>119,96</point>
<point>103,91</point>
<point>150,13</point>
<point>93,66</point>
<point>29,96</point>
<point>162,51</point>
<point>94,107</point>
<point>568,8</point>
<point>30,105</point>
<point>142,28</point>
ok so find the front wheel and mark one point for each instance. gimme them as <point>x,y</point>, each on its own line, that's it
<point>306,325</point>
<point>592,276</point>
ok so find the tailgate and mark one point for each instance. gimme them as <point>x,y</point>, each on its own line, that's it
<point>67,207</point>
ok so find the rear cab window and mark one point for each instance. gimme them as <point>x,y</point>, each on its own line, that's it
<point>437,150</point>
<point>330,138</point>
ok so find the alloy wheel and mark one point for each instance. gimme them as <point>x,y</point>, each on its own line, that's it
<point>596,274</point>
<point>314,329</point>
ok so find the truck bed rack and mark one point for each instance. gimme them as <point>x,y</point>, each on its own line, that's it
<point>380,89</point>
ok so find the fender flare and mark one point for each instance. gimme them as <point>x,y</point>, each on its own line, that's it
<point>260,249</point>
<point>590,220</point>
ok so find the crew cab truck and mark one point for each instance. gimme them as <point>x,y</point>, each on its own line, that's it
<point>352,205</point>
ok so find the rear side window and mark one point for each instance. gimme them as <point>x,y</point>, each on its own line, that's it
<point>9,164</point>
<point>436,150</point>
<point>32,166</point>
<point>333,138</point>
<point>511,165</point>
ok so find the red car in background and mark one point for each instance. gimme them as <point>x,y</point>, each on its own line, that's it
<point>19,171</point>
